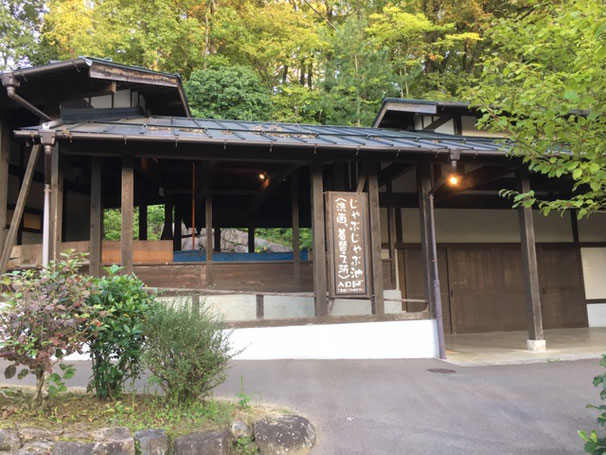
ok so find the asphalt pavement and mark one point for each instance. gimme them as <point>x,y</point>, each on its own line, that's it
<point>400,407</point>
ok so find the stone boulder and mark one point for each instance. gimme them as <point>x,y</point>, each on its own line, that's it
<point>152,441</point>
<point>9,440</point>
<point>240,429</point>
<point>284,435</point>
<point>207,443</point>
<point>38,434</point>
<point>35,448</point>
<point>78,448</point>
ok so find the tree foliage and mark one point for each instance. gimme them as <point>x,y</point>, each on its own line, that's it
<point>552,62</point>
<point>232,92</point>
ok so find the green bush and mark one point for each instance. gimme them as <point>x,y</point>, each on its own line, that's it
<point>187,352</point>
<point>594,444</point>
<point>45,317</point>
<point>122,303</point>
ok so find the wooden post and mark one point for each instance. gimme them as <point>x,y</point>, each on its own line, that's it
<point>217,233</point>
<point>96,217</point>
<point>177,243</point>
<point>251,239</point>
<point>536,341</point>
<point>167,230</point>
<point>294,194</point>
<point>56,205</point>
<point>375,238</point>
<point>319,240</point>
<point>142,221</point>
<point>126,236</point>
<point>9,241</point>
<point>209,224</point>
<point>423,188</point>
<point>4,154</point>
<point>391,235</point>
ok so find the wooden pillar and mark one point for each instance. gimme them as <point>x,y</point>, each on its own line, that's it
<point>177,244</point>
<point>391,235</point>
<point>319,240</point>
<point>126,236</point>
<point>536,341</point>
<point>11,235</point>
<point>96,217</point>
<point>217,233</point>
<point>251,239</point>
<point>209,225</point>
<point>375,239</point>
<point>142,221</point>
<point>294,194</point>
<point>56,205</point>
<point>423,187</point>
<point>167,230</point>
<point>4,154</point>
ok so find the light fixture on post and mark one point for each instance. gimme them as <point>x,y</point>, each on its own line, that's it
<point>453,179</point>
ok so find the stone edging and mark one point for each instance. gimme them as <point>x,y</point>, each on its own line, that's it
<point>287,434</point>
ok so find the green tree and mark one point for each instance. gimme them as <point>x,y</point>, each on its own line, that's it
<point>232,92</point>
<point>19,23</point>
<point>544,84</point>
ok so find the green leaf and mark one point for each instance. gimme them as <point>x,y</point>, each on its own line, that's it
<point>24,372</point>
<point>10,371</point>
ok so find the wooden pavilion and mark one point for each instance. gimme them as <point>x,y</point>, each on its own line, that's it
<point>113,136</point>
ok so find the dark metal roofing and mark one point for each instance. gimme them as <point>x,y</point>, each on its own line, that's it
<point>438,104</point>
<point>184,130</point>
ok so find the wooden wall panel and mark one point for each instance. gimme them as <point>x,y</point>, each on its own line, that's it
<point>261,276</point>
<point>172,275</point>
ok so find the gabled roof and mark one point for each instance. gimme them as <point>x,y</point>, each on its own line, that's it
<point>278,135</point>
<point>395,107</point>
<point>87,76</point>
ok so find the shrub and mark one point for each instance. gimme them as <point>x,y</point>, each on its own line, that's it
<point>45,317</point>
<point>594,444</point>
<point>186,351</point>
<point>121,304</point>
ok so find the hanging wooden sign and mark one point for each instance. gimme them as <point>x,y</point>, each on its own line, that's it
<point>347,233</point>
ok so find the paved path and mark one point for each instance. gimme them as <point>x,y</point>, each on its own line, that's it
<point>398,407</point>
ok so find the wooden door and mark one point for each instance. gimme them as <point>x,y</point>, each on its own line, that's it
<point>474,289</point>
<point>562,292</point>
<point>512,309</point>
<point>411,275</point>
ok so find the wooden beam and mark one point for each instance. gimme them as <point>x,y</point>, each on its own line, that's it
<point>393,171</point>
<point>319,240</point>
<point>4,166</point>
<point>294,194</point>
<point>208,199</point>
<point>475,178</point>
<point>375,239</point>
<point>56,204</point>
<point>441,120</point>
<point>11,236</point>
<point>96,217</point>
<point>423,187</point>
<point>530,267</point>
<point>142,221</point>
<point>271,183</point>
<point>362,177</point>
<point>127,201</point>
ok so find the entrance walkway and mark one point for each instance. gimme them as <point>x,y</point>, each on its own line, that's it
<point>501,348</point>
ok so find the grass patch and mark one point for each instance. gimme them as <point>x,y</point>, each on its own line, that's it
<point>78,412</point>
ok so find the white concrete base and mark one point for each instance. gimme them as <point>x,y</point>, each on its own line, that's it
<point>364,340</point>
<point>536,345</point>
<point>596,314</point>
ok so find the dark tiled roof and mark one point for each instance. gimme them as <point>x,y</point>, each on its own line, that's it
<point>183,129</point>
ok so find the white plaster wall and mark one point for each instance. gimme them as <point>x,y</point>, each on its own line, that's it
<point>552,228</point>
<point>593,261</point>
<point>365,340</point>
<point>593,228</point>
<point>596,314</point>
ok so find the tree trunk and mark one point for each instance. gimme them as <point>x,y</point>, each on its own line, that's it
<point>39,387</point>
